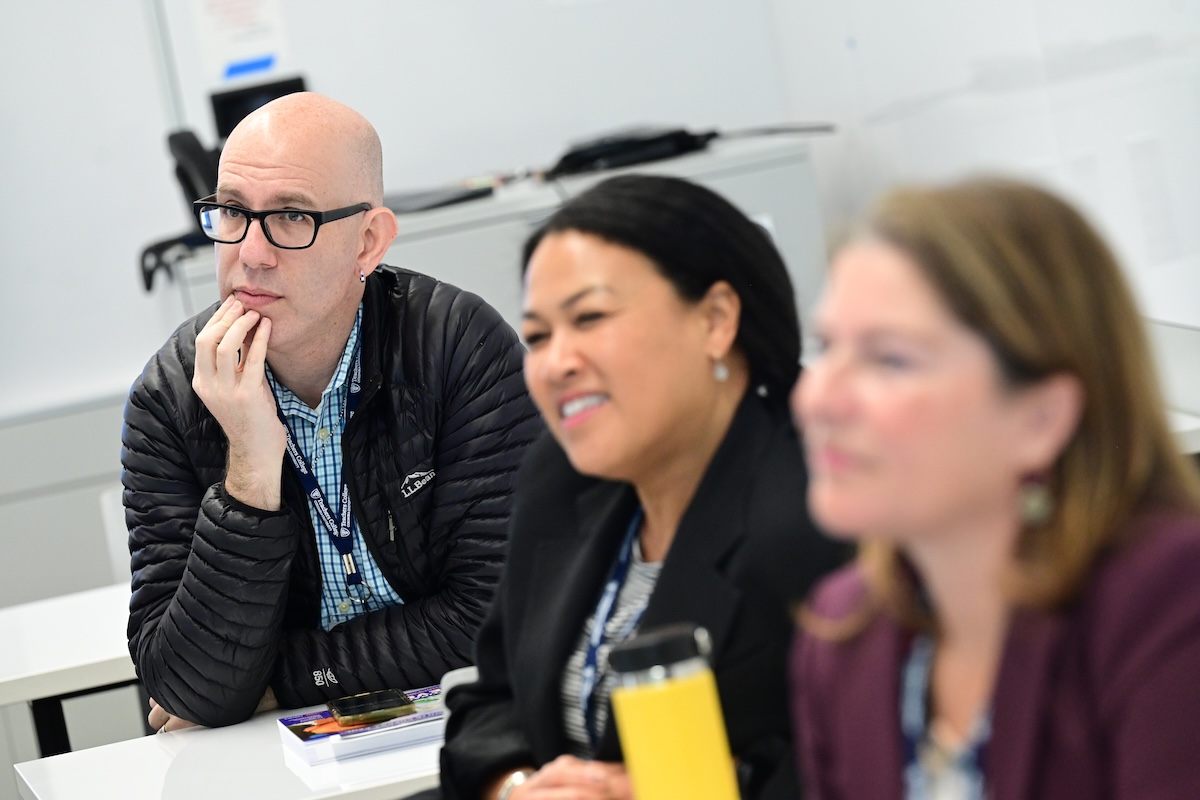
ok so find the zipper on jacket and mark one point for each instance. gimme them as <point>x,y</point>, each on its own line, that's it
<point>368,542</point>
<point>408,572</point>
<point>419,583</point>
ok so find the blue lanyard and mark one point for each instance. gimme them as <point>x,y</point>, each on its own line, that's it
<point>914,711</point>
<point>340,528</point>
<point>604,612</point>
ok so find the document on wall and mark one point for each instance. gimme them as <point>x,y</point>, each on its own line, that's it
<point>238,38</point>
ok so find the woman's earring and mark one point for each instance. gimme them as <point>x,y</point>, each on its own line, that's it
<point>1036,502</point>
<point>720,371</point>
<point>362,276</point>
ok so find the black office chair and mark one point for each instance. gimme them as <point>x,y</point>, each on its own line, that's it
<point>196,171</point>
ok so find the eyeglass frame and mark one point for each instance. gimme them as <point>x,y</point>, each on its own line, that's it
<point>319,218</point>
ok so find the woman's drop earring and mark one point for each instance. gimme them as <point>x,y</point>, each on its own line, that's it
<point>1036,502</point>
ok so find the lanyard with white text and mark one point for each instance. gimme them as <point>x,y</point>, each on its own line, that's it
<point>604,613</point>
<point>341,528</point>
<point>914,705</point>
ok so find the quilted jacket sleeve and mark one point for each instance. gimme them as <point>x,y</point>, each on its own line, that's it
<point>210,575</point>
<point>486,420</point>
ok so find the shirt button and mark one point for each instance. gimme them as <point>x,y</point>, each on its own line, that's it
<point>323,434</point>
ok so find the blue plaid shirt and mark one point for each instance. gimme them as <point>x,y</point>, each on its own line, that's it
<point>318,434</point>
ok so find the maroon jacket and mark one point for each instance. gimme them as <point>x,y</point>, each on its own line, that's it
<point>1102,701</point>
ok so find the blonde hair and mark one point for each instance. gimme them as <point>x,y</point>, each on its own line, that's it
<point>1026,272</point>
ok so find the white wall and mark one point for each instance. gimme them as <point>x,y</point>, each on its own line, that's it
<point>1097,98</point>
<point>455,89</point>
<point>85,169</point>
<point>477,86</point>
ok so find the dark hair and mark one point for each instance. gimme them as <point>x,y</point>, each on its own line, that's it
<point>695,238</point>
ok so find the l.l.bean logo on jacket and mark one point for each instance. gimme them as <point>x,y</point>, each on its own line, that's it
<point>415,482</point>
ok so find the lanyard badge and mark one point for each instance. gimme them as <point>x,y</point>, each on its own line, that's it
<point>340,529</point>
<point>588,679</point>
<point>914,723</point>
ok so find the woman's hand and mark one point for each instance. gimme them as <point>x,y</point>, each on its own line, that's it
<point>570,778</point>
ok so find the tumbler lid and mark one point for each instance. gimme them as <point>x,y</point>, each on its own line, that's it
<point>661,646</point>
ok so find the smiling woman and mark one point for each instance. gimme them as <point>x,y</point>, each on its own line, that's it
<point>1024,619</point>
<point>662,340</point>
<point>622,367</point>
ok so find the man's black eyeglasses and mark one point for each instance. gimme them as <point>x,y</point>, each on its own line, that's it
<point>286,228</point>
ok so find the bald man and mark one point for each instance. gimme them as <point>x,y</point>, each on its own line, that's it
<point>317,469</point>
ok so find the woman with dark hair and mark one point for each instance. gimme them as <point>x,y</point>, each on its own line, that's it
<point>662,341</point>
<point>1024,617</point>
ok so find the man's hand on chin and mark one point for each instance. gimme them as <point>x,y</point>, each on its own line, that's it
<point>230,378</point>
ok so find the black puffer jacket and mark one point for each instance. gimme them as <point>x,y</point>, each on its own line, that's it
<point>226,597</point>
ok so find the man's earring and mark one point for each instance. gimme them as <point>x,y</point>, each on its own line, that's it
<point>720,371</point>
<point>362,276</point>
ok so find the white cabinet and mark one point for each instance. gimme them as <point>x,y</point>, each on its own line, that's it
<point>770,178</point>
<point>476,245</point>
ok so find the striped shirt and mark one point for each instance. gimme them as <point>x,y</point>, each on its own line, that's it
<point>318,434</point>
<point>633,597</point>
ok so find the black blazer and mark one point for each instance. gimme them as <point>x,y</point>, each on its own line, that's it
<point>744,553</point>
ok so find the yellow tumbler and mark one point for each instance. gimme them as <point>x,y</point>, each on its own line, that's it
<point>668,716</point>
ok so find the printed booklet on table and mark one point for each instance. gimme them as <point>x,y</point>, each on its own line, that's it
<point>317,738</point>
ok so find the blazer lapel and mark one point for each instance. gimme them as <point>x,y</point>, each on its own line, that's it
<point>1020,702</point>
<point>570,566</point>
<point>868,734</point>
<point>692,586</point>
<point>865,715</point>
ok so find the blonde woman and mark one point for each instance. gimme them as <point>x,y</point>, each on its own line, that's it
<point>1024,617</point>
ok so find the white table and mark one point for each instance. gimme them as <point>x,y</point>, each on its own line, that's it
<point>60,647</point>
<point>246,760</point>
